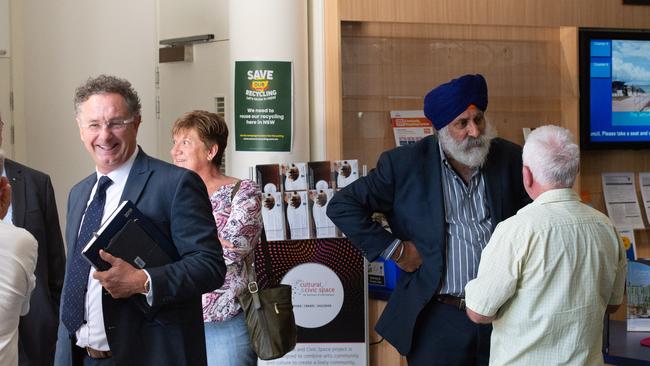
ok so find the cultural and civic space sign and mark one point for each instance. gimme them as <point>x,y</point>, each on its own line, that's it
<point>263,105</point>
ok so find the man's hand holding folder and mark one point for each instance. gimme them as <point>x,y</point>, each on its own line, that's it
<point>126,244</point>
<point>122,279</point>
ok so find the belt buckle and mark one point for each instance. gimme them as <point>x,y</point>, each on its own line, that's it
<point>461,304</point>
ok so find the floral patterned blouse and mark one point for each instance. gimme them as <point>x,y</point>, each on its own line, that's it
<point>239,221</point>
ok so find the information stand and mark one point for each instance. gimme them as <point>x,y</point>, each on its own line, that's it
<point>330,299</point>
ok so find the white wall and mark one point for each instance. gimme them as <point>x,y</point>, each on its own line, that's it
<point>317,80</point>
<point>186,86</point>
<point>4,29</point>
<point>56,46</point>
<point>285,40</point>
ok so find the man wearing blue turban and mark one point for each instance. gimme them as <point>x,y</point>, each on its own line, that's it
<point>442,196</point>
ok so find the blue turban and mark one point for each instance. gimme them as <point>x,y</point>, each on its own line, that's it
<point>444,103</point>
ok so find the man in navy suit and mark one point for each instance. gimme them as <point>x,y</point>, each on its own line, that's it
<point>131,316</point>
<point>33,207</point>
<point>442,196</point>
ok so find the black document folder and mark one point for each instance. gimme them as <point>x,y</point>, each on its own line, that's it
<point>129,235</point>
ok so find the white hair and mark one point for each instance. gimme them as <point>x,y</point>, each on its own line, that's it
<point>552,156</point>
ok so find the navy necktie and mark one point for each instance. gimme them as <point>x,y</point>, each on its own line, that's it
<point>74,291</point>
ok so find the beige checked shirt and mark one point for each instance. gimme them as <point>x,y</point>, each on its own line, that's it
<point>548,273</point>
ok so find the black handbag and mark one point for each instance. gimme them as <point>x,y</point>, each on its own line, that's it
<point>270,321</point>
<point>269,313</point>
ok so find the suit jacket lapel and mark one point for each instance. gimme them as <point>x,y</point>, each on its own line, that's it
<point>432,170</point>
<point>138,178</point>
<point>18,199</point>
<point>493,186</point>
<point>77,209</point>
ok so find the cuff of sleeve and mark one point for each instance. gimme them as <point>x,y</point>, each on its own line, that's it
<point>474,302</point>
<point>388,252</point>
<point>149,295</point>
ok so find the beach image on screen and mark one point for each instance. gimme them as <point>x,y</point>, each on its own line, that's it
<point>630,82</point>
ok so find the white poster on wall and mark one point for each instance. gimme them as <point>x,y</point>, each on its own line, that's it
<point>619,192</point>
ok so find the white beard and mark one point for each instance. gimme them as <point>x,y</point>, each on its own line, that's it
<point>471,152</point>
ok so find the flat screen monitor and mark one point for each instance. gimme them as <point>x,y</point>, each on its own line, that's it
<point>614,89</point>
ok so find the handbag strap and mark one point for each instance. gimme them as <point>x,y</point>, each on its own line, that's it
<point>252,280</point>
<point>253,287</point>
<point>266,253</point>
<point>235,188</point>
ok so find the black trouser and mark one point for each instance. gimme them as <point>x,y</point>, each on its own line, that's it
<point>444,335</point>
<point>80,357</point>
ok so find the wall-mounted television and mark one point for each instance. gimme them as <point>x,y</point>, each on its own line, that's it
<point>614,89</point>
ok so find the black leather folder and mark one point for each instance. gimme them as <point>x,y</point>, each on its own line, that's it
<point>129,235</point>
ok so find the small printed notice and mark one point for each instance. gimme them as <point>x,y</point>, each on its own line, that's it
<point>410,127</point>
<point>619,192</point>
<point>627,237</point>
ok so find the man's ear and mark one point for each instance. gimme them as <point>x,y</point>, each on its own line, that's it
<point>136,122</point>
<point>527,176</point>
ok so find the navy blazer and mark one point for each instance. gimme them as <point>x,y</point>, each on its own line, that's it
<point>33,208</point>
<point>406,187</point>
<point>171,331</point>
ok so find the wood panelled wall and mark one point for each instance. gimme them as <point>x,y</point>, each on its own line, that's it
<point>389,66</point>
<point>535,13</point>
<point>384,55</point>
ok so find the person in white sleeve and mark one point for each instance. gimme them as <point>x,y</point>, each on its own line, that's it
<point>18,252</point>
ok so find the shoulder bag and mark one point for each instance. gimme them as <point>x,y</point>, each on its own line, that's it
<point>269,312</point>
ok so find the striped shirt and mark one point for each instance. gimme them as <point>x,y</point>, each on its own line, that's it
<point>468,226</point>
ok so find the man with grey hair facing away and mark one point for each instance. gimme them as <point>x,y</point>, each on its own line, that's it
<point>549,273</point>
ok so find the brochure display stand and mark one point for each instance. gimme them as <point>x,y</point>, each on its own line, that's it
<point>330,299</point>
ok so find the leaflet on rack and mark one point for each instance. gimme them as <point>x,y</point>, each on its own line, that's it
<point>619,192</point>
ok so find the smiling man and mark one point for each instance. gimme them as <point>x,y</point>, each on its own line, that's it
<point>129,316</point>
<point>442,197</point>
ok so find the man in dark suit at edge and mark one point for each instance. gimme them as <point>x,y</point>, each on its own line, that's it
<point>129,316</point>
<point>442,197</point>
<point>33,208</point>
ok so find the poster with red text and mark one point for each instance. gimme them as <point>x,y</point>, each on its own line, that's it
<point>410,127</point>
